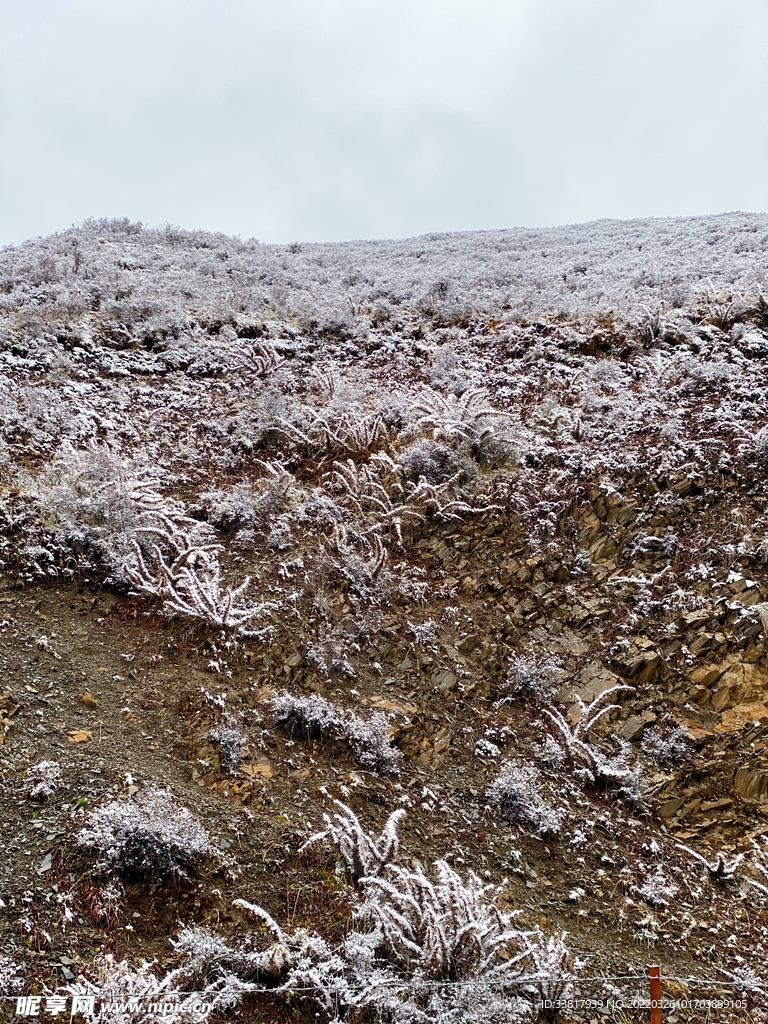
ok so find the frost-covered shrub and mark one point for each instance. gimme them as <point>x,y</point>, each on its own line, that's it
<point>495,451</point>
<point>650,325</point>
<point>316,717</point>
<point>486,748</point>
<point>436,461</point>
<point>92,502</point>
<point>550,753</point>
<point>753,988</point>
<point>371,743</point>
<point>363,855</point>
<point>280,536</point>
<point>516,791</point>
<point>761,445</point>
<point>339,430</point>
<point>359,560</point>
<point>12,976</point>
<point>759,862</point>
<point>722,310</point>
<point>531,675</point>
<point>632,787</point>
<point>45,777</point>
<point>228,737</point>
<point>100,507</point>
<point>667,749</point>
<point>183,570</point>
<point>658,889</point>
<point>454,418</point>
<point>300,959</point>
<point>478,1003</point>
<point>312,716</point>
<point>246,504</point>
<point>722,867</point>
<point>150,838</point>
<point>426,634</point>
<point>230,510</point>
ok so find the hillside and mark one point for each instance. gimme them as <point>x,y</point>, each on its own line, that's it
<point>471,527</point>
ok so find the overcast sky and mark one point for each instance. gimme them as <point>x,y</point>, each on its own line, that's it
<point>330,119</point>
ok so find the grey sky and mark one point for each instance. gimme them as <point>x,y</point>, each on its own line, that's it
<point>333,119</point>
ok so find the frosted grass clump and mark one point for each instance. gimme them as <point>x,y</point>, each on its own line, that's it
<point>589,762</point>
<point>363,855</point>
<point>447,929</point>
<point>125,993</point>
<point>658,889</point>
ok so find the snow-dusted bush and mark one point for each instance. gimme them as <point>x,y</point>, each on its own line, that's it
<point>536,676</point>
<point>460,935</point>
<point>358,562</point>
<point>228,737</point>
<point>230,510</point>
<point>667,748</point>
<point>632,784</point>
<point>248,504</point>
<point>101,507</point>
<point>657,888</point>
<point>440,500</point>
<point>486,748</point>
<point>300,959</point>
<point>761,445</point>
<point>338,432</point>
<point>650,325</point>
<point>375,493</point>
<point>371,742</point>
<point>150,837</point>
<point>453,418</point>
<point>314,716</point>
<point>45,777</point>
<point>12,976</point>
<point>550,753</point>
<point>363,855</point>
<point>182,569</point>
<point>436,461</point>
<point>516,790</point>
<point>93,501</point>
<point>752,988</point>
<point>477,1003</point>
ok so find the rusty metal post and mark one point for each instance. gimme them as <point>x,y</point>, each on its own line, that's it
<point>654,977</point>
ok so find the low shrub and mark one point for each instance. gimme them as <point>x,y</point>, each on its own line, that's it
<point>150,838</point>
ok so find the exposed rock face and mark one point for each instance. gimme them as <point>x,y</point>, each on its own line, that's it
<point>751,784</point>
